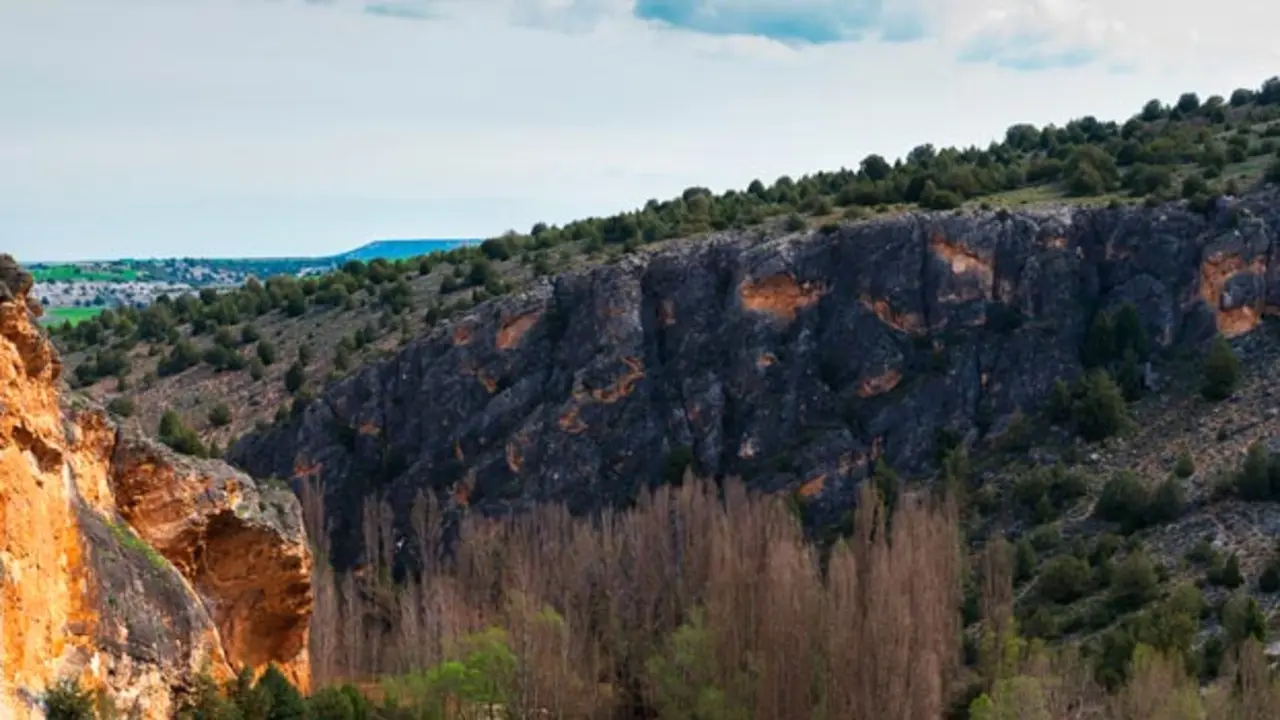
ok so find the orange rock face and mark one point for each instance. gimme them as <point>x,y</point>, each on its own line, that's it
<point>123,564</point>
<point>232,540</point>
<point>963,262</point>
<point>780,296</point>
<point>1215,271</point>
<point>513,329</point>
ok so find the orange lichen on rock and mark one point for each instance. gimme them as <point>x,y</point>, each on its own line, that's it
<point>1237,321</point>
<point>1215,272</point>
<point>963,261</point>
<point>911,323</point>
<point>369,428</point>
<point>462,491</point>
<point>304,469</point>
<point>490,385</point>
<point>811,487</point>
<point>514,461</point>
<point>624,385</point>
<point>461,335</point>
<point>765,360</point>
<point>571,423</point>
<point>880,384</point>
<point>780,296</point>
<point>513,329</point>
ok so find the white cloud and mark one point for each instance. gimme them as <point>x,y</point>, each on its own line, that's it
<point>1153,34</point>
<point>239,126</point>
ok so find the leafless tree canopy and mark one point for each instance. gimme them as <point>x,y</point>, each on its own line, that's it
<point>603,613</point>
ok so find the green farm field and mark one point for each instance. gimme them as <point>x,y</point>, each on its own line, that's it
<point>73,315</point>
<point>51,273</point>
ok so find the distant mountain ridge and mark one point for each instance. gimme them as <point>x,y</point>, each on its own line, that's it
<point>402,249</point>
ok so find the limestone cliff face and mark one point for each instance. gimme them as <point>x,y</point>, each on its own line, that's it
<point>793,362</point>
<point>123,564</point>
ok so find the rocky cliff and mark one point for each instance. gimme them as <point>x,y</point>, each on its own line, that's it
<point>794,362</point>
<point>122,564</point>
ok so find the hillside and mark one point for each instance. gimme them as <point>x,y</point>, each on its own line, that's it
<point>1071,330</point>
<point>1192,149</point>
<point>796,363</point>
<point>1064,370</point>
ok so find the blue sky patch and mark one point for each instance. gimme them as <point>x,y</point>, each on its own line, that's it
<point>786,21</point>
<point>406,11</point>
<point>1026,53</point>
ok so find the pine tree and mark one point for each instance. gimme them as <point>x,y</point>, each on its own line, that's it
<point>1100,412</point>
<point>1221,370</point>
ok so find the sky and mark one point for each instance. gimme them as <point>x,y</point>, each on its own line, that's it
<point>228,128</point>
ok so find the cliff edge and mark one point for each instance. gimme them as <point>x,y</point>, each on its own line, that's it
<point>122,564</point>
<point>795,362</point>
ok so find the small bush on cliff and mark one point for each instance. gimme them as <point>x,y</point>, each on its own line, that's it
<point>1259,476</point>
<point>220,416</point>
<point>1221,371</point>
<point>266,352</point>
<point>295,377</point>
<point>1269,580</point>
<point>338,703</point>
<point>1226,573</point>
<point>1112,338</point>
<point>1243,619</point>
<point>1060,401</point>
<point>1099,342</point>
<point>1273,172</point>
<point>1064,579</point>
<point>1099,410</point>
<point>283,699</point>
<point>1134,583</point>
<point>223,359</point>
<point>122,406</point>
<point>1123,500</point>
<point>184,355</point>
<point>175,434</point>
<point>1185,466</point>
<point>1127,501</point>
<point>68,701</point>
<point>1168,502</point>
<point>125,536</point>
<point>205,702</point>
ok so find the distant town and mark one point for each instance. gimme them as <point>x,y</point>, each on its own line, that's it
<point>73,291</point>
